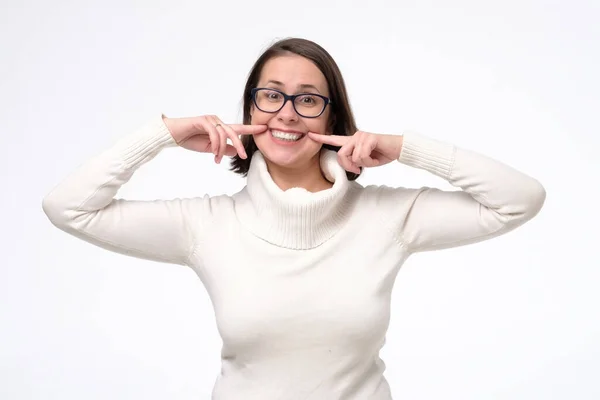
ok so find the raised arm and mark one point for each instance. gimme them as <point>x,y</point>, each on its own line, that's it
<point>494,197</point>
<point>84,204</point>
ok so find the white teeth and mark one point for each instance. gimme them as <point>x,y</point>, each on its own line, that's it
<point>286,136</point>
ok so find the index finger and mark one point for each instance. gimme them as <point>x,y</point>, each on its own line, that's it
<point>241,129</point>
<point>235,140</point>
<point>335,140</point>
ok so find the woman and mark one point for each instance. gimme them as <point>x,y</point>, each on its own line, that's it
<point>299,264</point>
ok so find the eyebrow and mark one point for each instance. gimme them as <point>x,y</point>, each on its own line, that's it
<point>301,86</point>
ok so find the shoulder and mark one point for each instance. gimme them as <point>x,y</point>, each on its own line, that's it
<point>387,207</point>
<point>384,196</point>
<point>207,206</point>
<point>219,202</point>
<point>390,205</point>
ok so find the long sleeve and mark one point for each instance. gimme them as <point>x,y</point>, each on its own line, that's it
<point>494,198</point>
<point>84,204</point>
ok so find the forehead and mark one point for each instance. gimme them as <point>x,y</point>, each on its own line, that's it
<point>293,71</point>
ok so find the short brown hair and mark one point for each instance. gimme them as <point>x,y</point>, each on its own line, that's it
<point>341,118</point>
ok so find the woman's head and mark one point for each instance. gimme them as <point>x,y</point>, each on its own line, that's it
<point>290,67</point>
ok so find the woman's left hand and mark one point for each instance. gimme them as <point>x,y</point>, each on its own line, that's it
<point>363,149</point>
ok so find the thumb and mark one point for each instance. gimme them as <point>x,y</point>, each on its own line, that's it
<point>202,144</point>
<point>199,143</point>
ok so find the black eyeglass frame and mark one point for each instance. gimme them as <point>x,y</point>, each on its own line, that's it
<point>286,97</point>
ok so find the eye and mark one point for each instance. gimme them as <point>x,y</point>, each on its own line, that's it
<point>308,100</point>
<point>272,95</point>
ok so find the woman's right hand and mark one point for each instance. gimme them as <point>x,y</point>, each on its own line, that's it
<point>208,134</point>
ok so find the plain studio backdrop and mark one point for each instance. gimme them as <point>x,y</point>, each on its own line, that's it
<point>512,318</point>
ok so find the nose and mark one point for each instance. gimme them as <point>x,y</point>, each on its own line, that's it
<point>287,113</point>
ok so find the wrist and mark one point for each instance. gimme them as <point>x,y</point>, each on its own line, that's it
<point>399,143</point>
<point>173,125</point>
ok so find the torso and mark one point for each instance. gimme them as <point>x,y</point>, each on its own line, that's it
<point>319,314</point>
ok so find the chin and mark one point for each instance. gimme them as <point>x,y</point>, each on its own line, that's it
<point>288,155</point>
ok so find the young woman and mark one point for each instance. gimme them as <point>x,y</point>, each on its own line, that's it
<point>300,264</point>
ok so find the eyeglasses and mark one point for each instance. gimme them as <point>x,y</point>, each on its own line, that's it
<point>308,105</point>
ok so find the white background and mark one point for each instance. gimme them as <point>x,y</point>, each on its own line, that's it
<point>516,317</point>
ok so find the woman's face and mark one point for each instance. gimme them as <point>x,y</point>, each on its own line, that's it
<point>286,142</point>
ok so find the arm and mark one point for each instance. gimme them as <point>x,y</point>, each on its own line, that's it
<point>84,206</point>
<point>495,198</point>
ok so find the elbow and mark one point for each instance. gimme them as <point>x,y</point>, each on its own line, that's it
<point>532,201</point>
<point>55,211</point>
<point>524,207</point>
<point>536,198</point>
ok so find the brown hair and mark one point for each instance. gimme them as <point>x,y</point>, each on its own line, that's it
<point>341,118</point>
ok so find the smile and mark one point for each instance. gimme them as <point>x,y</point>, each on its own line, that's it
<point>287,136</point>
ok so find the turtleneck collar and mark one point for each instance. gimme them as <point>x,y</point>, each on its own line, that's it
<point>295,218</point>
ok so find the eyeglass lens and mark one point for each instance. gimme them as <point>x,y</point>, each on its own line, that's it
<point>307,105</point>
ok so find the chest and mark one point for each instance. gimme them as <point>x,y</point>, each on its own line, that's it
<point>336,295</point>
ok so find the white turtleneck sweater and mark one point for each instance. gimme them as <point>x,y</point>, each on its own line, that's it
<point>301,282</point>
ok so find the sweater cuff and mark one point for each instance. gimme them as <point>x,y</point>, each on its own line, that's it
<point>425,153</point>
<point>145,143</point>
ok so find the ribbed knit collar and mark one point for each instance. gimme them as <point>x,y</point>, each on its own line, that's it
<point>295,218</point>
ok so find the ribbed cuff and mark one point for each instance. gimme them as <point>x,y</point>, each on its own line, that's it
<point>426,153</point>
<point>145,143</point>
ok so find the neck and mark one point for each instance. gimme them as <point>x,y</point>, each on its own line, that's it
<point>295,218</point>
<point>309,176</point>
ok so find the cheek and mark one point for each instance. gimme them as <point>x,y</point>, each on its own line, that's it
<point>318,125</point>
<point>259,118</point>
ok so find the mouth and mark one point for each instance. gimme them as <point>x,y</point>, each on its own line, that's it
<point>289,137</point>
